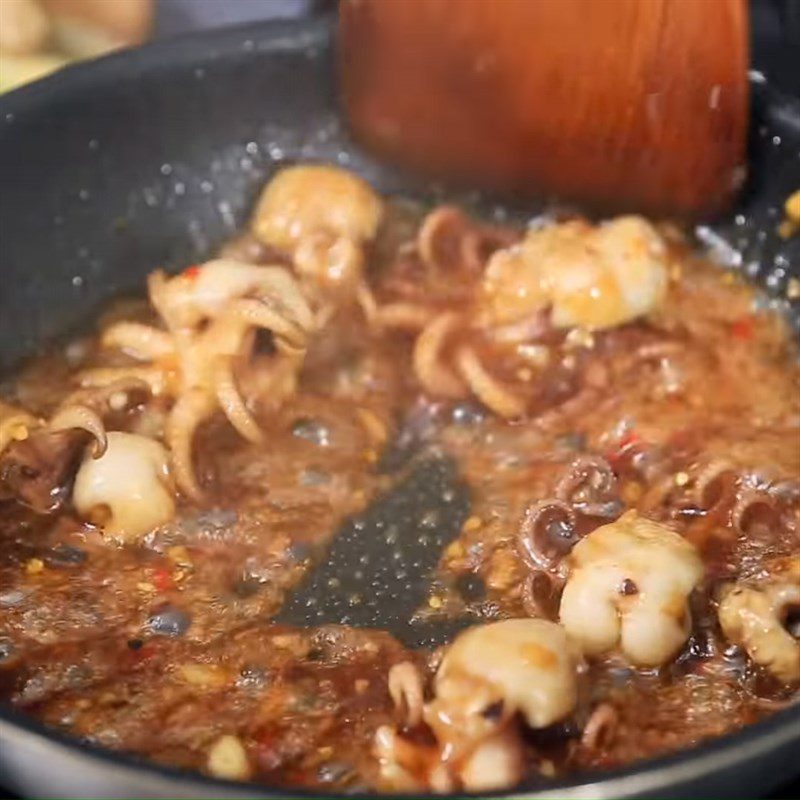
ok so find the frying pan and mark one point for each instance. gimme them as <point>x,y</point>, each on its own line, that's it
<point>153,157</point>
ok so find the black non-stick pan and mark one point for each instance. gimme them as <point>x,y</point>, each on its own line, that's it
<point>152,158</point>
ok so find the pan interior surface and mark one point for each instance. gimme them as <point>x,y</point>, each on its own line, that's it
<point>153,158</point>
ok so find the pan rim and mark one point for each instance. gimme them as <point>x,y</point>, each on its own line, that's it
<point>651,775</point>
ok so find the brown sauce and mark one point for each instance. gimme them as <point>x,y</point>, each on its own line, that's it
<point>161,647</point>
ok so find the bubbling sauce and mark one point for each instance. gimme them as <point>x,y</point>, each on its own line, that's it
<point>625,415</point>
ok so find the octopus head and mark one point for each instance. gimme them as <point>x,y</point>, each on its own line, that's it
<point>628,587</point>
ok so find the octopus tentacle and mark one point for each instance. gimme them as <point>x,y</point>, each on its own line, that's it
<point>649,352</point>
<point>211,313</point>
<point>433,228</point>
<point>231,403</point>
<point>157,291</point>
<point>140,341</point>
<point>593,476</point>
<point>540,593</point>
<point>571,408</point>
<point>714,484</point>
<point>404,316</point>
<point>601,727</point>
<point>367,302</point>
<point>435,377</point>
<point>748,500</point>
<point>471,243</point>
<point>83,418</point>
<point>191,409</point>
<point>478,243</point>
<point>397,315</point>
<point>656,496</point>
<point>490,391</point>
<point>257,314</point>
<point>156,378</point>
<point>276,285</point>
<point>536,545</point>
<point>405,688</point>
<point>528,330</point>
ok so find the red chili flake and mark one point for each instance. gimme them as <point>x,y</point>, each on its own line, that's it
<point>145,651</point>
<point>266,751</point>
<point>743,329</point>
<point>162,579</point>
<point>192,272</point>
<point>627,441</point>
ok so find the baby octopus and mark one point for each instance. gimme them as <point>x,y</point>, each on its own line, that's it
<point>570,275</point>
<point>127,490</point>
<point>490,674</point>
<point>628,586</point>
<point>17,424</point>
<point>753,615</point>
<point>322,217</point>
<point>205,357</point>
<point>38,456</point>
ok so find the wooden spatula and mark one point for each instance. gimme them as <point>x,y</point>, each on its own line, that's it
<point>622,103</point>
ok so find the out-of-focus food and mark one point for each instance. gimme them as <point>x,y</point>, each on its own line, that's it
<point>38,37</point>
<point>755,617</point>
<point>24,27</point>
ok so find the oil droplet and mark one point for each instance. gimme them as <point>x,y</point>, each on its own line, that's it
<point>166,169</point>
<point>226,212</point>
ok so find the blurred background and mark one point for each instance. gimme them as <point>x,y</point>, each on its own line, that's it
<point>39,36</point>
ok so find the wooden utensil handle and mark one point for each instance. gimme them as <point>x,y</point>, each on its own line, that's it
<point>642,103</point>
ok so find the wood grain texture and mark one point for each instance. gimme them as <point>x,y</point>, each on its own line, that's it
<point>623,103</point>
